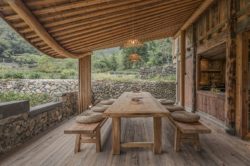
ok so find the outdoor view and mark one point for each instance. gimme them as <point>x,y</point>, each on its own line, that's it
<point>19,60</point>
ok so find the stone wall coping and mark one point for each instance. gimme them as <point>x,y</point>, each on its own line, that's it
<point>8,109</point>
<point>34,111</point>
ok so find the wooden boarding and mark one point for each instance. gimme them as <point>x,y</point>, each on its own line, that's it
<point>86,133</point>
<point>125,107</point>
<point>188,132</point>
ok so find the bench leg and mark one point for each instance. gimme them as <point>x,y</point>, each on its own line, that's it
<point>98,140</point>
<point>177,140</point>
<point>116,135</point>
<point>78,143</point>
<point>196,142</point>
<point>157,135</point>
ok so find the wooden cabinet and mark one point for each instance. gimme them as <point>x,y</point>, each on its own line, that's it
<point>212,104</point>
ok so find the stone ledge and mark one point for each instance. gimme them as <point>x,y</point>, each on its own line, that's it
<point>8,109</point>
<point>44,108</point>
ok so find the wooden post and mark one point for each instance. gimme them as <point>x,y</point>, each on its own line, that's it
<point>230,103</point>
<point>84,83</point>
<point>182,67</point>
<point>194,70</point>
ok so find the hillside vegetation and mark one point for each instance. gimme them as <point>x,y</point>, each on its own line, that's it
<point>20,60</point>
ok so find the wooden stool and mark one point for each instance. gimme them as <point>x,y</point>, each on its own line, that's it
<point>86,133</point>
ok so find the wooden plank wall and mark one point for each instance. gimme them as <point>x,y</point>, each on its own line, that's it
<point>84,83</point>
<point>220,24</point>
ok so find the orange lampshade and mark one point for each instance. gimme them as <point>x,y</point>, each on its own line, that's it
<point>134,57</point>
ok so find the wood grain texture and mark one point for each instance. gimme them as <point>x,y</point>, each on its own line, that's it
<point>84,95</point>
<point>125,107</point>
<point>57,149</point>
<point>49,24</point>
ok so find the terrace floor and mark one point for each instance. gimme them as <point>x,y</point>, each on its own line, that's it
<point>57,149</point>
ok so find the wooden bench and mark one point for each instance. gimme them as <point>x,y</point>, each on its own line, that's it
<point>86,133</point>
<point>188,132</point>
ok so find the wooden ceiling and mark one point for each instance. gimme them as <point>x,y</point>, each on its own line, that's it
<point>75,28</point>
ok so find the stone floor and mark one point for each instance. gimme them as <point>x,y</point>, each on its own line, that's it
<point>56,149</point>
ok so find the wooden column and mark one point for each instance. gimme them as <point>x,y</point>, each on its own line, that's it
<point>230,103</point>
<point>182,68</point>
<point>194,70</point>
<point>242,85</point>
<point>84,83</point>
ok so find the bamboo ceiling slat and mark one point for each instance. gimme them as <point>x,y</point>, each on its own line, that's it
<point>82,26</point>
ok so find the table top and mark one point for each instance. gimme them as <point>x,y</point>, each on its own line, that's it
<point>147,106</point>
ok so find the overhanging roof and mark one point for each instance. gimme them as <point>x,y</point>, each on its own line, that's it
<point>73,28</point>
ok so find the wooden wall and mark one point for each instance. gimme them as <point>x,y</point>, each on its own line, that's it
<point>211,27</point>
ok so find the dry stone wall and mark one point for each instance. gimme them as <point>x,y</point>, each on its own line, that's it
<point>17,129</point>
<point>102,89</point>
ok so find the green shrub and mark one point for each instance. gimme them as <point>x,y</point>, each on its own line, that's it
<point>18,75</point>
<point>34,99</point>
<point>67,73</point>
<point>7,75</point>
<point>35,76</point>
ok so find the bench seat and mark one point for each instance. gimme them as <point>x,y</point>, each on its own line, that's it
<point>86,133</point>
<point>188,132</point>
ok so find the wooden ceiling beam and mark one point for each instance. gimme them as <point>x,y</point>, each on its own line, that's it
<point>89,15</point>
<point>204,6</point>
<point>82,8</point>
<point>138,17</point>
<point>19,7</point>
<point>120,42</point>
<point>115,31</point>
<point>139,32</point>
<point>98,13</point>
<point>113,16</point>
<point>146,19</point>
<point>117,24</point>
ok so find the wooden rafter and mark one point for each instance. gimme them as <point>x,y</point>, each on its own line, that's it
<point>62,28</point>
<point>29,19</point>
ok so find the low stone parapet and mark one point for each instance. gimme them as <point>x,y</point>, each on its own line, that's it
<point>22,124</point>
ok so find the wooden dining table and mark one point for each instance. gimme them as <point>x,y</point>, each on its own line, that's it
<point>134,105</point>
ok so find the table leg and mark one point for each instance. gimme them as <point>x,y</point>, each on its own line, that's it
<point>116,134</point>
<point>157,135</point>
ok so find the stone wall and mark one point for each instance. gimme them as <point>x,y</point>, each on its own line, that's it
<point>149,72</point>
<point>101,89</point>
<point>16,129</point>
<point>111,89</point>
<point>49,86</point>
